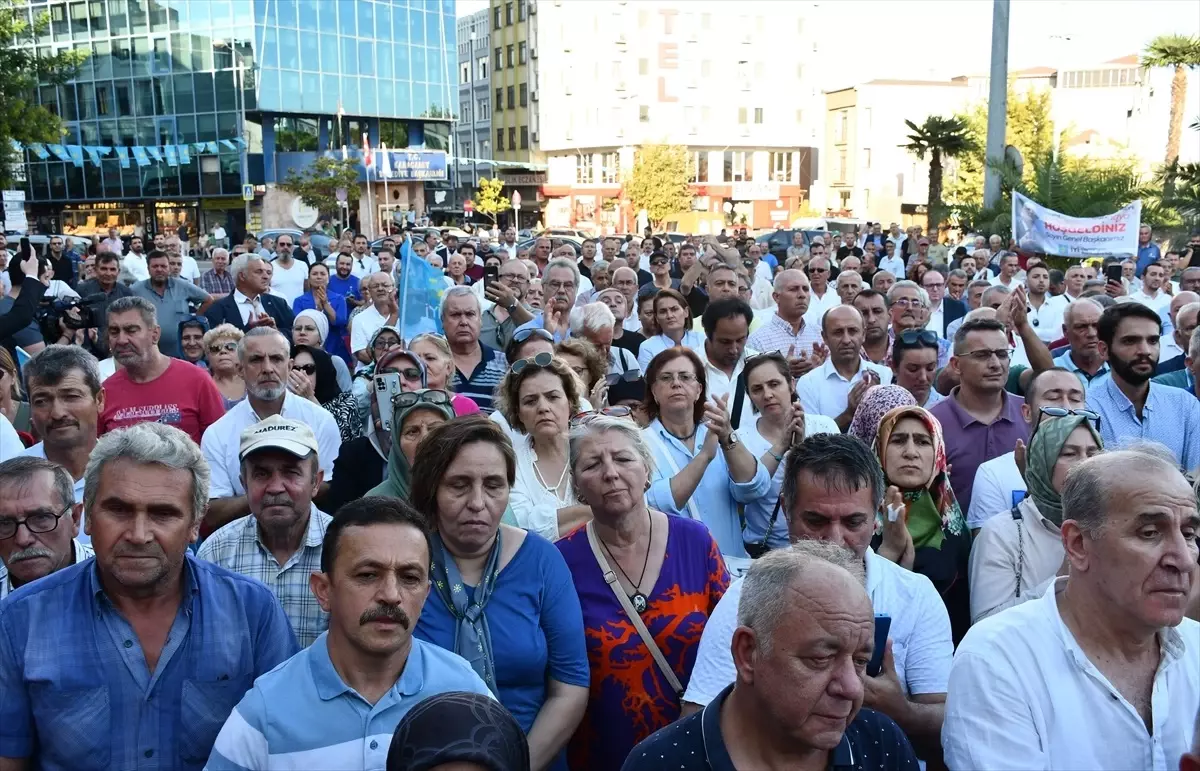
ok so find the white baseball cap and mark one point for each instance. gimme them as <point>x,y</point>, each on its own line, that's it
<point>279,433</point>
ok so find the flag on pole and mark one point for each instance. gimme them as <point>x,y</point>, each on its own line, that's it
<point>367,160</point>
<point>385,163</point>
<point>421,290</point>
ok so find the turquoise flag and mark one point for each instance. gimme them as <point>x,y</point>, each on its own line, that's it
<point>421,290</point>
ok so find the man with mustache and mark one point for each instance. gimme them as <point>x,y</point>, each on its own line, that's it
<point>39,522</point>
<point>265,356</point>
<point>1103,670</point>
<point>152,647</point>
<point>1131,406</point>
<point>836,386</point>
<point>279,543</point>
<point>65,400</point>
<point>337,703</point>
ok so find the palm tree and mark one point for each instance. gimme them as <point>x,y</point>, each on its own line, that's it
<point>941,138</point>
<point>1180,52</point>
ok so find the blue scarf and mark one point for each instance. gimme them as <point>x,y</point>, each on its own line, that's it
<point>472,638</point>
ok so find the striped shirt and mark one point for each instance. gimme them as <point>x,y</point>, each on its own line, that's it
<point>776,335</point>
<point>238,547</point>
<point>481,384</point>
<point>302,715</point>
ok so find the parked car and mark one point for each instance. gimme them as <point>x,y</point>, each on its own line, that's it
<point>778,241</point>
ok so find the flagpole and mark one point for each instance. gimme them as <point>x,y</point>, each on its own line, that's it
<point>386,168</point>
<point>370,192</point>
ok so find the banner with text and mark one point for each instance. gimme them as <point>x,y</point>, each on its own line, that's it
<point>1045,231</point>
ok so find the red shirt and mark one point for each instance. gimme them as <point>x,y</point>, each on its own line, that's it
<point>183,396</point>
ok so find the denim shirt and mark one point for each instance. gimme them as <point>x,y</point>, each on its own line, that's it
<point>77,693</point>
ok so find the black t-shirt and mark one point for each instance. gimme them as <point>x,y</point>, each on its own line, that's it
<point>630,341</point>
<point>844,251</point>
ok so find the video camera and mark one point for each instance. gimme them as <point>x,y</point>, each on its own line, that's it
<point>74,312</point>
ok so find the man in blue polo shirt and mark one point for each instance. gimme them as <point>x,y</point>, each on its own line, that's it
<point>336,704</point>
<point>805,630</point>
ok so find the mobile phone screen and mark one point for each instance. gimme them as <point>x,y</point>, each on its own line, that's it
<point>883,625</point>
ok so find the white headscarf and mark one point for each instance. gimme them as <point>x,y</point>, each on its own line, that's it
<point>319,319</point>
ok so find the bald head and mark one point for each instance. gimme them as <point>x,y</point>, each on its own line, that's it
<point>785,277</point>
<point>1181,299</point>
<point>840,315</point>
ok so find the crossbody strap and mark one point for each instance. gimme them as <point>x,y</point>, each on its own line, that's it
<point>610,578</point>
<point>1016,515</point>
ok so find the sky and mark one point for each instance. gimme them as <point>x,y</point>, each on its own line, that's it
<point>943,38</point>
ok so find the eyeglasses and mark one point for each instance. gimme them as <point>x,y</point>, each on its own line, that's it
<point>918,336</point>
<point>985,355</point>
<point>409,398</point>
<point>524,334</point>
<point>410,373</point>
<point>583,418</point>
<point>383,344</point>
<point>308,369</point>
<point>905,302</point>
<point>542,360</point>
<point>38,522</point>
<point>218,347</point>
<point>555,286</point>
<point>669,378</point>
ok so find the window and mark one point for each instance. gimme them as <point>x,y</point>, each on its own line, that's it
<point>465,72</point>
<point>738,166</point>
<point>845,197</point>
<point>498,64</point>
<point>524,137</point>
<point>643,113</point>
<point>741,116</point>
<point>841,122</point>
<point>866,162</point>
<point>643,66</point>
<point>758,116</point>
<point>781,167</point>
<point>522,53</point>
<point>521,10</point>
<point>583,170</point>
<point>610,168</point>
<point>840,170</point>
<point>496,17</point>
<point>499,98</point>
<point>524,95</point>
<point>508,14</point>
<point>481,109</point>
<point>699,166</point>
<point>481,66</point>
<point>499,140</point>
<point>508,55</point>
<point>511,100</point>
<point>512,137</point>
<point>464,112</point>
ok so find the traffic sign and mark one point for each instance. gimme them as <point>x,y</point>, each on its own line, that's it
<point>468,206</point>
<point>247,192</point>
<point>340,194</point>
<point>516,200</point>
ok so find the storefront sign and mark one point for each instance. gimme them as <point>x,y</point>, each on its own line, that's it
<point>417,165</point>
<point>755,191</point>
<point>14,211</point>
<point>528,180</point>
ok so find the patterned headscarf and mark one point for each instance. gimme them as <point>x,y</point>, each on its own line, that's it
<point>458,726</point>
<point>875,403</point>
<point>1044,448</point>
<point>937,494</point>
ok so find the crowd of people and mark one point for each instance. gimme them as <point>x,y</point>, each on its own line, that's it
<point>867,503</point>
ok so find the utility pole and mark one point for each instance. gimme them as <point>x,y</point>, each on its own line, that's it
<point>997,103</point>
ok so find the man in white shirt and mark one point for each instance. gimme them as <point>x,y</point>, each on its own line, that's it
<point>1010,265</point>
<point>266,362</point>
<point>509,244</point>
<point>835,388</point>
<point>891,261</point>
<point>1045,310</point>
<point>832,491</point>
<point>383,311</point>
<point>822,296</point>
<point>288,274</point>
<point>1151,293</point>
<point>134,265</point>
<point>999,484</point>
<point>786,330</point>
<point>364,262</point>
<point>625,281</point>
<point>726,325</point>
<point>1184,313</point>
<point>1104,670</point>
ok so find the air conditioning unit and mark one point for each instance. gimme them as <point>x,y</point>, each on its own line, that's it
<point>533,135</point>
<point>533,52</point>
<point>532,7</point>
<point>533,95</point>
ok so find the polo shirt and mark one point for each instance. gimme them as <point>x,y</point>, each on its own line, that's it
<point>94,703</point>
<point>920,632</point>
<point>221,441</point>
<point>363,265</point>
<point>823,391</point>
<point>1170,416</point>
<point>39,451</point>
<point>302,714</point>
<point>82,553</point>
<point>969,442</point>
<point>1024,694</point>
<point>170,308</point>
<point>1065,361</point>
<point>1147,256</point>
<point>872,741</point>
<point>481,384</point>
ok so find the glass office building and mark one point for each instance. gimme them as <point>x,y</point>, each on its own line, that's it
<point>239,83</point>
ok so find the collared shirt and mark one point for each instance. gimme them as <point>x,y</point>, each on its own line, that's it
<point>539,322</point>
<point>920,632</point>
<point>363,327</point>
<point>303,715</point>
<point>493,332</point>
<point>222,439</point>
<point>1024,694</point>
<point>933,398</point>
<point>250,307</point>
<point>715,500</point>
<point>1158,303</point>
<point>777,335</point>
<point>824,391</point>
<point>818,305</point>
<point>481,384</point>
<point>363,265</point>
<point>39,451</point>
<point>1168,349</point>
<point>238,547</point>
<point>1147,256</point>
<point>114,245</point>
<point>1170,416</point>
<point>95,704</point>
<point>969,442</point>
<point>998,486</point>
<point>872,740</point>
<point>893,265</point>
<point>1013,560</point>
<point>1065,361</point>
<point>82,552</point>
<point>1047,320</point>
<point>722,384</point>
<point>216,283</point>
<point>653,346</point>
<point>170,307</point>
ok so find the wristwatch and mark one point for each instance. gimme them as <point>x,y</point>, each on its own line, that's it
<point>730,444</point>
<point>512,306</point>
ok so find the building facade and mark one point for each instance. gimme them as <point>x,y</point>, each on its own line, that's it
<point>473,131</point>
<point>183,104</point>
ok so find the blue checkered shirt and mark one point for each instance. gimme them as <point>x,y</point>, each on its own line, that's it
<point>75,691</point>
<point>238,547</point>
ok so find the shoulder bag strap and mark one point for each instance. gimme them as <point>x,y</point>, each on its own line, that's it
<point>610,578</point>
<point>1016,515</point>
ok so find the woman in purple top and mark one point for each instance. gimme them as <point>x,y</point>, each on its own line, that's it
<point>671,574</point>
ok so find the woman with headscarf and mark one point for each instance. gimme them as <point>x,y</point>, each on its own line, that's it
<point>310,327</point>
<point>1015,555</point>
<point>922,527</point>
<point>191,340</point>
<point>876,402</point>
<point>413,418</point>
<point>385,340</point>
<point>313,377</point>
<point>460,730</point>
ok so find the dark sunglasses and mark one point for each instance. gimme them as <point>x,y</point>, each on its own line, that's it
<point>629,376</point>
<point>524,334</point>
<point>218,347</point>
<point>659,262</point>
<point>915,336</point>
<point>583,418</point>
<point>308,369</point>
<point>409,398</point>
<point>542,360</point>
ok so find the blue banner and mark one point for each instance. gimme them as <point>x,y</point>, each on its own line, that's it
<point>185,158</point>
<point>172,158</point>
<point>76,154</point>
<point>123,154</point>
<point>417,165</point>
<point>93,155</point>
<point>421,289</point>
<point>139,155</point>
<point>229,144</point>
<point>59,151</point>
<point>39,150</point>
<point>211,147</point>
<point>155,154</point>
<point>198,147</point>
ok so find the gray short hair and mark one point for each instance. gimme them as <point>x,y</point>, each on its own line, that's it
<point>957,273</point>
<point>1087,492</point>
<point>260,332</point>
<point>1069,311</point>
<point>240,263</point>
<point>220,250</point>
<point>604,424</point>
<point>562,262</point>
<point>149,444</point>
<point>1193,350</point>
<point>765,599</point>
<point>17,471</point>
<point>141,305</point>
<point>906,284</point>
<point>459,291</point>
<point>54,362</point>
<point>592,317</point>
<point>994,290</point>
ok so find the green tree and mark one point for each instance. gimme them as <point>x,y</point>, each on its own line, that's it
<point>317,184</point>
<point>1180,52</point>
<point>22,70</point>
<point>940,138</point>
<point>490,199</point>
<point>659,182</point>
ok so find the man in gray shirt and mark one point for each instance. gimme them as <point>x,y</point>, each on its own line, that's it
<point>170,297</point>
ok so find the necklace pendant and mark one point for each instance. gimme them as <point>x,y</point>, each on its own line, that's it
<point>639,602</point>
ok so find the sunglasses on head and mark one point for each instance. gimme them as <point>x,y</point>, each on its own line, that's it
<point>541,360</point>
<point>409,398</point>
<point>587,416</point>
<point>524,334</point>
<point>1062,412</point>
<point>915,336</point>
